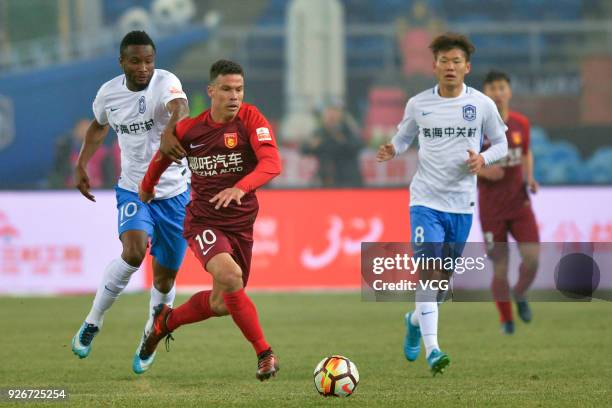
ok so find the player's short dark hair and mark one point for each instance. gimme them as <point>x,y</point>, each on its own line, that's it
<point>135,38</point>
<point>225,67</point>
<point>494,75</point>
<point>448,41</point>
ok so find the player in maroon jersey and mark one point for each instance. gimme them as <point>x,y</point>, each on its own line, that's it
<point>505,206</point>
<point>231,151</point>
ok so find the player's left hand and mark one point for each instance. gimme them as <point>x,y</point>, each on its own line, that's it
<point>144,196</point>
<point>475,161</point>
<point>385,152</point>
<point>533,185</point>
<point>225,197</point>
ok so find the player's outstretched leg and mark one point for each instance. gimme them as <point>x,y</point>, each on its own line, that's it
<point>244,314</point>
<point>165,321</point>
<point>145,354</point>
<point>412,340</point>
<point>116,278</point>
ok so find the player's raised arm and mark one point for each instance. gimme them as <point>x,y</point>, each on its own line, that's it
<point>495,129</point>
<point>169,144</point>
<point>93,139</point>
<point>175,101</point>
<point>407,130</point>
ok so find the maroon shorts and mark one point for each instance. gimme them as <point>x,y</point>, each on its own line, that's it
<point>523,227</point>
<point>210,241</point>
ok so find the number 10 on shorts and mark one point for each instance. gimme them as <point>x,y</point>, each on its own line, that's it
<point>207,237</point>
<point>127,211</point>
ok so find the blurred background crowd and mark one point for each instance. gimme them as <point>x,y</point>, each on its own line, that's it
<point>333,76</point>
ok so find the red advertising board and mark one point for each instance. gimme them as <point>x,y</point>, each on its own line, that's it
<point>312,239</point>
<point>305,239</point>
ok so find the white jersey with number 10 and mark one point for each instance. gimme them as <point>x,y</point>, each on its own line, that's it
<point>139,118</point>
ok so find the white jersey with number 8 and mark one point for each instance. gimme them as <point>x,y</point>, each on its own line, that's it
<point>447,128</point>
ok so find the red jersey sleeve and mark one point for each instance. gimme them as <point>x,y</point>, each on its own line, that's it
<point>263,144</point>
<point>160,163</point>
<point>259,129</point>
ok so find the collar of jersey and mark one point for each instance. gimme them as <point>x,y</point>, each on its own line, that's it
<point>463,92</point>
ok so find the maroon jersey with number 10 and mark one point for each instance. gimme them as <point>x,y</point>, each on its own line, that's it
<point>504,199</point>
<point>219,155</point>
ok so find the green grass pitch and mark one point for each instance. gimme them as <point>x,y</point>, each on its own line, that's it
<point>562,358</point>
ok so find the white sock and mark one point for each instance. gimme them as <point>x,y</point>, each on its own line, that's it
<point>116,277</point>
<point>427,314</point>
<point>158,297</point>
<point>414,317</point>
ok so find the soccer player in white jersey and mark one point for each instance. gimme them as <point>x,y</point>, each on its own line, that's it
<point>140,106</point>
<point>450,121</point>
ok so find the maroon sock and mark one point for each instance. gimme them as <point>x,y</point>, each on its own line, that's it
<point>244,314</point>
<point>196,309</point>
<point>505,310</point>
<point>526,277</point>
<point>501,294</point>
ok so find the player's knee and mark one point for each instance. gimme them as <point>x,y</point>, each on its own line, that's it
<point>231,278</point>
<point>499,255</point>
<point>500,268</point>
<point>531,261</point>
<point>133,253</point>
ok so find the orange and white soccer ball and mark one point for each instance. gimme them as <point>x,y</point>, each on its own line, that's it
<point>336,376</point>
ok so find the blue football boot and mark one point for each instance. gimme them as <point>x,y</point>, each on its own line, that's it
<point>438,361</point>
<point>81,342</point>
<point>412,341</point>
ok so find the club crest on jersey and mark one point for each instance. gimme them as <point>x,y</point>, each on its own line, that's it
<point>469,112</point>
<point>517,138</point>
<point>231,140</point>
<point>142,106</point>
